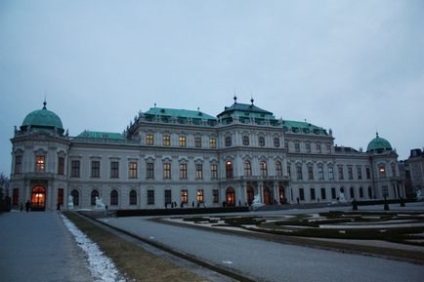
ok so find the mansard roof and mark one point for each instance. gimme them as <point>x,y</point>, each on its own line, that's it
<point>291,126</point>
<point>178,113</point>
<point>101,135</point>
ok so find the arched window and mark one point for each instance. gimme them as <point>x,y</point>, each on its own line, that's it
<point>75,197</point>
<point>94,196</point>
<point>247,168</point>
<point>228,141</point>
<point>261,141</point>
<point>114,198</point>
<point>229,169</point>
<point>133,197</point>
<point>278,168</point>
<point>264,168</point>
<point>246,140</point>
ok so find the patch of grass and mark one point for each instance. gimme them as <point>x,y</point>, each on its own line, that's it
<point>137,263</point>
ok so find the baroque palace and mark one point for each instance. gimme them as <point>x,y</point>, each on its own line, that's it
<point>189,158</point>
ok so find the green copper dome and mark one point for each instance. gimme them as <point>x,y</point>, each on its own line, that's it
<point>43,119</point>
<point>379,145</point>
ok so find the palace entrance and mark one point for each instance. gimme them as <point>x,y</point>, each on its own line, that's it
<point>38,198</point>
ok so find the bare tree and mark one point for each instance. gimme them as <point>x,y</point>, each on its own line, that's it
<point>4,193</point>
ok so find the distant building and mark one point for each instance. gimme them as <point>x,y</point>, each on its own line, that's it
<point>414,166</point>
<point>184,157</point>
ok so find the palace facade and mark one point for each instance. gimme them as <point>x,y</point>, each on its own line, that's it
<point>188,158</point>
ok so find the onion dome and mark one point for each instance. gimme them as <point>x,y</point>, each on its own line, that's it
<point>42,119</point>
<point>379,145</point>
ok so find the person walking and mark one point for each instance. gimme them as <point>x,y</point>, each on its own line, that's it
<point>27,206</point>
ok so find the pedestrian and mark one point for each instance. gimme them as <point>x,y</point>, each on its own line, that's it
<point>58,207</point>
<point>27,206</point>
<point>297,200</point>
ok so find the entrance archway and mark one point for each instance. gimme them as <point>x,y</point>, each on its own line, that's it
<point>38,198</point>
<point>230,197</point>
<point>282,195</point>
<point>250,194</point>
<point>267,196</point>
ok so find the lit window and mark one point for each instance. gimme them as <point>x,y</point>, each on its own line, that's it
<point>212,142</point>
<point>199,196</point>
<point>184,196</point>
<point>229,169</point>
<point>182,141</point>
<point>40,164</point>
<point>166,171</point>
<point>150,139</point>
<point>132,169</point>
<point>166,140</point>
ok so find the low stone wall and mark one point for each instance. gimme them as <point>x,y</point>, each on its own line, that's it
<point>177,211</point>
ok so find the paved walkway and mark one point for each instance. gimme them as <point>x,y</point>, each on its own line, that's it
<point>36,246</point>
<point>269,261</point>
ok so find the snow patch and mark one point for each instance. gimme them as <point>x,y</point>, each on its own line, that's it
<point>101,267</point>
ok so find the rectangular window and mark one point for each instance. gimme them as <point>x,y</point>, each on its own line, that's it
<point>368,172</point>
<point>318,148</point>
<point>150,170</point>
<point>132,169</point>
<point>279,169</point>
<point>199,196</point>
<point>310,172</point>
<point>184,196</point>
<point>150,197</point>
<point>166,140</point>
<point>150,140</point>
<point>297,147</point>
<point>308,147</point>
<point>114,169</point>
<point>168,196</point>
<point>301,194</point>
<point>350,172</point>
<point>333,193</point>
<point>18,164</point>
<point>276,142</point>
<point>95,169</point>
<point>323,194</point>
<point>340,171</point>
<point>212,142</point>
<point>183,171</point>
<point>214,171</point>
<point>166,171</point>
<point>199,171</point>
<point>61,166</point>
<point>289,171</point>
<point>198,142</point>
<point>331,173</point>
<point>40,164</point>
<point>75,168</point>
<point>182,141</point>
<point>359,171</point>
<point>320,172</point>
<point>313,194</point>
<point>215,195</point>
<point>299,173</point>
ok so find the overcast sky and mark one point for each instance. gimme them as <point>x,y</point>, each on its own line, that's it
<point>356,67</point>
